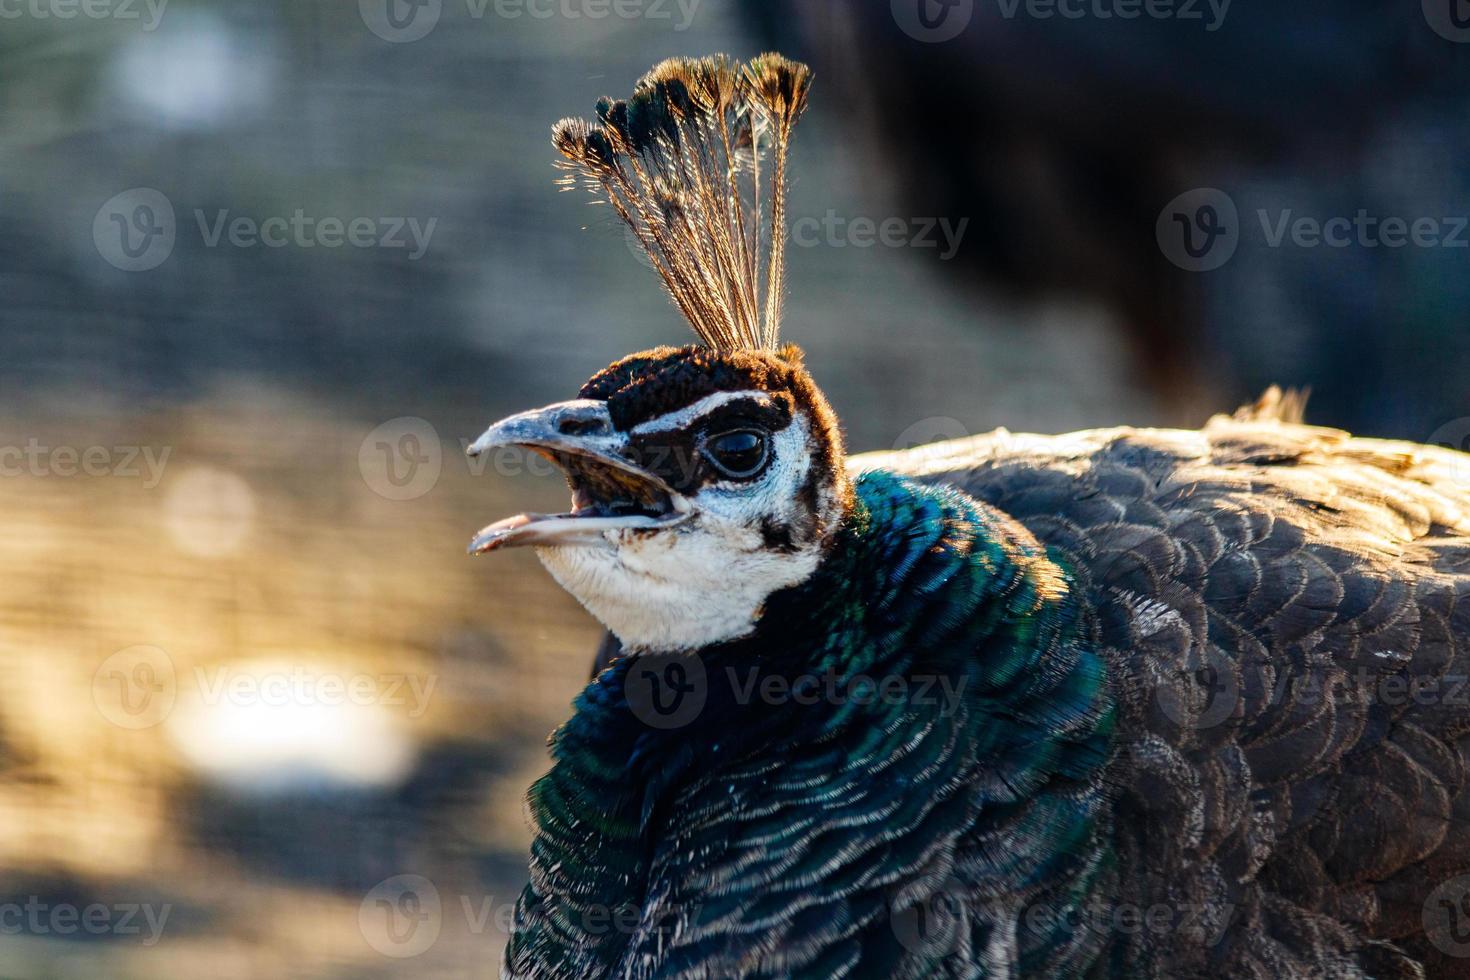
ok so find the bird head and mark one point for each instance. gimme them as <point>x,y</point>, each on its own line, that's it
<point>702,482</point>
<point>703,478</point>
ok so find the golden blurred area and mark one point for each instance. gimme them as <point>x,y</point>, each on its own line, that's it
<point>226,619</point>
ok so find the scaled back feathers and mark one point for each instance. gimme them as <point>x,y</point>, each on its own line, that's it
<point>681,162</point>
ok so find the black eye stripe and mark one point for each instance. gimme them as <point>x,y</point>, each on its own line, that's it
<point>772,416</point>
<point>673,455</point>
<point>678,455</point>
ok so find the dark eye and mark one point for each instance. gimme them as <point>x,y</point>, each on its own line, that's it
<point>738,454</point>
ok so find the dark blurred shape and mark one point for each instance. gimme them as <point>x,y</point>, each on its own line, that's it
<point>1064,138</point>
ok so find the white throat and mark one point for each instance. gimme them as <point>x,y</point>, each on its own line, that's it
<point>631,591</point>
<point>707,579</point>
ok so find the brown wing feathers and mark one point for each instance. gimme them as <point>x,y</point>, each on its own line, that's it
<point>1288,613</point>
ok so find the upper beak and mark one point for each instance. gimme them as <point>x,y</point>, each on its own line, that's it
<point>580,438</point>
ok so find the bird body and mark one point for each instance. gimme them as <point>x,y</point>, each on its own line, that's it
<point>762,813</point>
<point>1121,703</point>
<point>1165,647</point>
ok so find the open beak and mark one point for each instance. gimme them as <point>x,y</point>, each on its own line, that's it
<point>609,493</point>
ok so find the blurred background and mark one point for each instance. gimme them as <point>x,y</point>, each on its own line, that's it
<point>268,266</point>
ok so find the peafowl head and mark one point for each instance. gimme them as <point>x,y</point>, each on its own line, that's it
<point>703,478</point>
<point>702,481</point>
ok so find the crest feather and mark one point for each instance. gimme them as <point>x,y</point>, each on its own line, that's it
<point>680,162</point>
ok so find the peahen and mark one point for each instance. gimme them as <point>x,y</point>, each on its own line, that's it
<point>1121,703</point>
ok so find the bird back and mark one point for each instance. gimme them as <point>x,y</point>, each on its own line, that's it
<point>1286,614</point>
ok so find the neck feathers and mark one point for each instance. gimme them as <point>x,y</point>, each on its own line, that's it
<point>932,614</point>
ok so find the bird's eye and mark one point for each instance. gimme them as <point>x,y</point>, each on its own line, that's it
<point>739,454</point>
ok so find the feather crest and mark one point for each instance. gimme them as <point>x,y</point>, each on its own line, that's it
<point>680,164</point>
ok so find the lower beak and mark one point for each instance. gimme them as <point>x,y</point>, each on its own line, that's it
<point>610,494</point>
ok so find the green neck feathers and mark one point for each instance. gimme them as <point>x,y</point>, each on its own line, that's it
<point>938,646</point>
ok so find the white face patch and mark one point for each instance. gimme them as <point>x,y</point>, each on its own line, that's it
<point>706,579</point>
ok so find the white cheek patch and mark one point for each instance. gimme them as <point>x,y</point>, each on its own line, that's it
<point>704,581</point>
